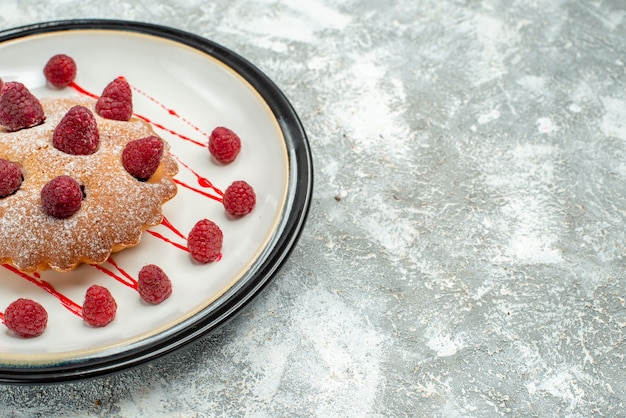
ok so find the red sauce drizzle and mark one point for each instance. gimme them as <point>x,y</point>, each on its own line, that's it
<point>81,90</point>
<point>202,181</point>
<point>168,130</point>
<point>170,111</point>
<point>166,223</point>
<point>36,280</point>
<point>169,241</point>
<point>125,278</point>
<point>200,192</point>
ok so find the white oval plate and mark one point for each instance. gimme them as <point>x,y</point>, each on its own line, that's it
<point>186,86</point>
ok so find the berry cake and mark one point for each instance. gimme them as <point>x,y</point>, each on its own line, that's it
<point>77,202</point>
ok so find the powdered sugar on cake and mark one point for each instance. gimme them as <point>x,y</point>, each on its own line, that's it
<point>116,209</point>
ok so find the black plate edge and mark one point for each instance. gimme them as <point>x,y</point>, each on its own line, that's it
<point>236,299</point>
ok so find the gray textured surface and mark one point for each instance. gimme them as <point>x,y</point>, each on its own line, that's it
<point>464,254</point>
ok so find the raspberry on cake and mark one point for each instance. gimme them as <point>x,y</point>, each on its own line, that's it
<point>19,109</point>
<point>61,197</point>
<point>10,177</point>
<point>60,70</point>
<point>141,157</point>
<point>65,225</point>
<point>116,101</point>
<point>77,133</point>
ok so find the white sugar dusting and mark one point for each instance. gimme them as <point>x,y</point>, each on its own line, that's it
<point>116,202</point>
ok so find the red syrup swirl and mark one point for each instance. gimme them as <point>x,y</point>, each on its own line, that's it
<point>86,92</point>
<point>67,303</point>
<point>123,277</point>
<point>168,130</point>
<point>200,192</point>
<point>82,90</point>
<point>166,223</point>
<point>171,112</point>
<point>202,181</point>
<point>169,241</point>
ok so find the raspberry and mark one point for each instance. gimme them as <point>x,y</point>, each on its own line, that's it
<point>239,198</point>
<point>99,307</point>
<point>26,318</point>
<point>10,177</point>
<point>60,70</point>
<point>61,197</point>
<point>19,109</point>
<point>224,145</point>
<point>1,82</point>
<point>116,101</point>
<point>141,157</point>
<point>154,286</point>
<point>205,241</point>
<point>77,133</point>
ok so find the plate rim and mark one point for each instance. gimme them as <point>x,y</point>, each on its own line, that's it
<point>233,301</point>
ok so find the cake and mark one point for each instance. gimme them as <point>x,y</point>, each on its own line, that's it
<point>116,207</point>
